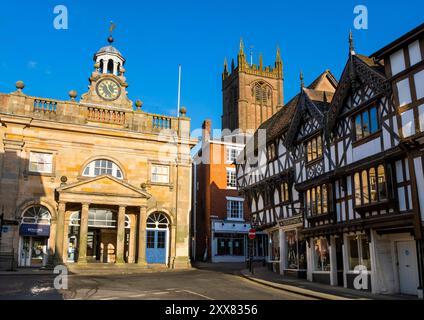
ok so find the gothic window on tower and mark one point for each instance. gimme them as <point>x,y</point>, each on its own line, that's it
<point>261,93</point>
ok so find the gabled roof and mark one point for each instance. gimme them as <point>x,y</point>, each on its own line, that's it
<point>317,96</point>
<point>364,69</point>
<point>314,101</point>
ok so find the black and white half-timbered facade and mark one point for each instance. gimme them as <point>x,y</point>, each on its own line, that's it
<point>352,155</point>
<point>272,170</point>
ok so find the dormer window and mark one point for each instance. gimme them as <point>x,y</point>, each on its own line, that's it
<point>314,148</point>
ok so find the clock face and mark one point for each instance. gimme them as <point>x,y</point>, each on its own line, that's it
<point>108,89</point>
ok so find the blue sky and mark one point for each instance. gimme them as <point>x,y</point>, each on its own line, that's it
<point>156,36</point>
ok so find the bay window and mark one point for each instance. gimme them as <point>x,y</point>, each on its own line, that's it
<point>370,186</point>
<point>317,200</point>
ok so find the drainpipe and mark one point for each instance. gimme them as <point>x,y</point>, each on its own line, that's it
<point>194,244</point>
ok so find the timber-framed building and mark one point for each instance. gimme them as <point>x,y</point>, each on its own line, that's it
<point>346,161</point>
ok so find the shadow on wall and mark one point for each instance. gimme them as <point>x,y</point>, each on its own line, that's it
<point>26,221</point>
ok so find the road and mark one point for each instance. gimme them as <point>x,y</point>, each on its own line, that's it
<point>198,284</point>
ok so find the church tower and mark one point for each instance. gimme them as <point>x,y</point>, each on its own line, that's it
<point>107,82</point>
<point>251,93</point>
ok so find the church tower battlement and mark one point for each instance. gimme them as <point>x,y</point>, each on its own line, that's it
<point>251,93</point>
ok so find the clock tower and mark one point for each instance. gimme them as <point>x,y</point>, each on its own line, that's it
<point>107,82</point>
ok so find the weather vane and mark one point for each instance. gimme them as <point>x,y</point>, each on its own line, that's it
<point>111,28</point>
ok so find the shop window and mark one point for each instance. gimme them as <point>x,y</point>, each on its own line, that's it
<point>370,186</point>
<point>230,244</point>
<point>366,123</point>
<point>322,255</point>
<point>359,252</point>
<point>160,174</point>
<point>314,148</point>
<point>274,244</point>
<point>296,251</point>
<point>40,162</point>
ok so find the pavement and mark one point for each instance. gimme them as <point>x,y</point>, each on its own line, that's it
<point>262,275</point>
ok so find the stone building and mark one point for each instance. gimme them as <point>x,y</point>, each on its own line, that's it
<point>95,180</point>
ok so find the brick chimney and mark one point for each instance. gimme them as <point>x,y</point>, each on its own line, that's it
<point>206,130</point>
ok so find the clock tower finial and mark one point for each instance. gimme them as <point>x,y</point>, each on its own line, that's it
<point>111,29</point>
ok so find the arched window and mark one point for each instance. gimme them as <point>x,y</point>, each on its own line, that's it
<point>157,220</point>
<point>110,67</point>
<point>102,166</point>
<point>261,96</point>
<point>36,215</point>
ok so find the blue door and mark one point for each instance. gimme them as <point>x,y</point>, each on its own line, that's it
<point>156,246</point>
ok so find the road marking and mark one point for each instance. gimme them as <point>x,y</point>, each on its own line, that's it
<point>158,293</point>
<point>137,295</point>
<point>198,294</point>
<point>110,298</point>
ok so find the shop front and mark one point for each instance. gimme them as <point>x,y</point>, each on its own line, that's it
<point>34,234</point>
<point>293,253</point>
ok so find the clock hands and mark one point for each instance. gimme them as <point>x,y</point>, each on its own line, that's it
<point>106,91</point>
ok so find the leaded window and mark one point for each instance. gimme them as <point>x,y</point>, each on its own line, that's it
<point>370,186</point>
<point>314,148</point>
<point>366,123</point>
<point>317,200</point>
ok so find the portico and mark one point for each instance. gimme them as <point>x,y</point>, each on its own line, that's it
<point>108,204</point>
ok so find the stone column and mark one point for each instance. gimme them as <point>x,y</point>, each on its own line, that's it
<point>82,245</point>
<point>60,225</point>
<point>120,240</point>
<point>142,222</point>
<point>173,243</point>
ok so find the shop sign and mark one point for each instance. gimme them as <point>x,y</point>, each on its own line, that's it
<point>34,230</point>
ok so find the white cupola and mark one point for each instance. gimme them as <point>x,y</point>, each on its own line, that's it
<point>108,60</point>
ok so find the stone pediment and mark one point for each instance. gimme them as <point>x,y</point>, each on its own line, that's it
<point>104,186</point>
